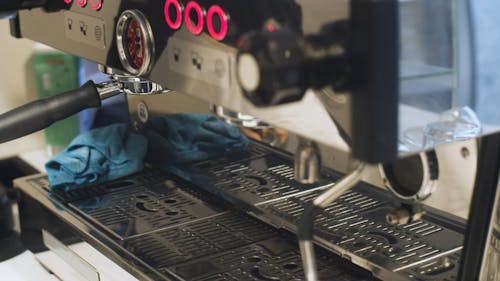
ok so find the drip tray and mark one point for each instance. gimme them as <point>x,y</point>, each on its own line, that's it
<point>203,240</point>
<point>273,259</point>
<point>354,225</point>
<point>198,239</point>
<point>444,269</point>
<point>184,228</point>
<point>133,210</point>
<point>256,179</point>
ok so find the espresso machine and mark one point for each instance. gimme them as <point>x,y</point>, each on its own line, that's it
<point>357,85</point>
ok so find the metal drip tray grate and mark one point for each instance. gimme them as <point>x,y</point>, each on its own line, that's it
<point>170,227</point>
<point>198,239</point>
<point>207,244</point>
<point>148,177</point>
<point>273,259</point>
<point>137,210</point>
<point>444,268</point>
<point>255,180</point>
<point>356,223</point>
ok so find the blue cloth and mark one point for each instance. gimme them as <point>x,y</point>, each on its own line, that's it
<point>189,137</point>
<point>109,153</point>
<point>97,156</point>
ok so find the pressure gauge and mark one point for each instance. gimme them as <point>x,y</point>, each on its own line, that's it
<point>135,42</point>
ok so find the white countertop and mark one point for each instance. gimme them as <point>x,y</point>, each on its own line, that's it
<point>15,269</point>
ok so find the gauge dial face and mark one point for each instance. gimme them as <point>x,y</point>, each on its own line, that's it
<point>135,43</point>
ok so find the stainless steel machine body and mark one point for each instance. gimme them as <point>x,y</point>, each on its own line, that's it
<point>370,77</point>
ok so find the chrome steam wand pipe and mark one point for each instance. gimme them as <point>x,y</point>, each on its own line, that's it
<point>306,225</point>
<point>307,162</point>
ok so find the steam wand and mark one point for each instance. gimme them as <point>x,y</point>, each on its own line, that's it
<point>306,225</point>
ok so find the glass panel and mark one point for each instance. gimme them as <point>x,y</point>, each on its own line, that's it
<point>436,68</point>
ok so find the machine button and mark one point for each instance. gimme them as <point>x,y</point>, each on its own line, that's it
<point>217,22</point>
<point>193,17</point>
<point>81,3</point>
<point>173,14</point>
<point>95,4</point>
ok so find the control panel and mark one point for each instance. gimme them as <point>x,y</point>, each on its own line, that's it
<point>85,29</point>
<point>206,64</point>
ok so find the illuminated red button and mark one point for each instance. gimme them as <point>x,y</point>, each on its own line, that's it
<point>217,11</point>
<point>177,9</point>
<point>193,6</point>
<point>81,3</point>
<point>95,4</point>
<point>68,1</point>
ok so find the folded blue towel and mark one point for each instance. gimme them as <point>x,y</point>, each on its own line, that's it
<point>188,137</point>
<point>97,156</point>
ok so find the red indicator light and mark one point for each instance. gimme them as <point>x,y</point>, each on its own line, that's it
<point>217,11</point>
<point>81,3</point>
<point>177,8</point>
<point>95,4</point>
<point>68,1</point>
<point>198,28</point>
<point>271,28</point>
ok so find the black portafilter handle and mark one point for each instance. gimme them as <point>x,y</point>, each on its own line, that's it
<point>40,114</point>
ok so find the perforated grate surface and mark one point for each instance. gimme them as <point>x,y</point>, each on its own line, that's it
<point>177,229</point>
<point>444,268</point>
<point>273,259</point>
<point>224,245</point>
<point>65,195</point>
<point>355,222</point>
<point>255,179</point>
<point>131,211</point>
<point>198,239</point>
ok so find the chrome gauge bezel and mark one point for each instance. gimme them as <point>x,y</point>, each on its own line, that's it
<point>149,46</point>
<point>429,182</point>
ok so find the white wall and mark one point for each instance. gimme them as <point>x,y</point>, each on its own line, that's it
<point>15,86</point>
